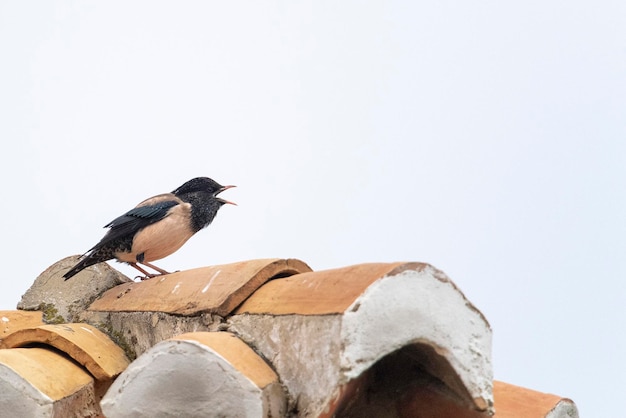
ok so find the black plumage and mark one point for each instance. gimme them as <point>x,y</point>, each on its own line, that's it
<point>157,227</point>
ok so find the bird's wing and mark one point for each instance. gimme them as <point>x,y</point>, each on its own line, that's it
<point>143,215</point>
<point>150,210</point>
<point>127,225</point>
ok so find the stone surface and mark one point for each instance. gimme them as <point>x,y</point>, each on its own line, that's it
<point>186,377</point>
<point>215,289</point>
<point>304,351</point>
<point>62,301</point>
<point>136,332</point>
<point>11,321</point>
<point>82,342</point>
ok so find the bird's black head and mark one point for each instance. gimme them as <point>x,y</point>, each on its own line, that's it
<point>201,193</point>
<point>199,184</point>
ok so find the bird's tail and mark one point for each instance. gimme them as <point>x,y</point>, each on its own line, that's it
<point>85,261</point>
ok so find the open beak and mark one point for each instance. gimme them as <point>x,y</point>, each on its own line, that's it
<point>224,200</point>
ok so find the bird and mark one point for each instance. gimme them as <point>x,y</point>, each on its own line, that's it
<point>157,227</point>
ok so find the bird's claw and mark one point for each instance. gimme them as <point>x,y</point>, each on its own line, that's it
<point>147,276</point>
<point>150,276</point>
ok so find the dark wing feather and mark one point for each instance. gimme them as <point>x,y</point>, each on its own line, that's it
<point>143,213</point>
<point>127,225</point>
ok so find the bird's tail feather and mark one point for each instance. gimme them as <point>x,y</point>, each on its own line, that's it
<point>85,262</point>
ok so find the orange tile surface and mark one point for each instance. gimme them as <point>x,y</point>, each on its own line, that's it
<point>517,402</point>
<point>319,292</point>
<point>82,342</point>
<point>11,321</point>
<point>215,289</point>
<point>48,371</point>
<point>237,353</point>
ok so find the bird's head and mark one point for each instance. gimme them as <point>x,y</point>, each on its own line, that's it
<point>203,185</point>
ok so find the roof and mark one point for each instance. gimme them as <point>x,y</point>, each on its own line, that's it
<point>266,338</point>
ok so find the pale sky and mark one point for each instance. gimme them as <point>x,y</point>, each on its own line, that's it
<point>488,139</point>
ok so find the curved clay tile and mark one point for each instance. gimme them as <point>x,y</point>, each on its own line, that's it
<point>513,401</point>
<point>37,382</point>
<point>197,374</point>
<point>325,329</point>
<point>11,321</point>
<point>215,289</point>
<point>82,342</point>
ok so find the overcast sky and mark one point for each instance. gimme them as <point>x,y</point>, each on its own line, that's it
<point>486,138</point>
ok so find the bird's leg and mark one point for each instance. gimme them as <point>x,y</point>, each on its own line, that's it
<point>153,267</point>
<point>146,275</point>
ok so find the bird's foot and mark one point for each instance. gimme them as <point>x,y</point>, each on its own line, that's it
<point>148,276</point>
<point>155,268</point>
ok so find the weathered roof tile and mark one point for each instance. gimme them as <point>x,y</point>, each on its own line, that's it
<point>345,321</point>
<point>38,382</point>
<point>82,342</point>
<point>197,374</point>
<point>62,300</point>
<point>237,353</point>
<point>319,292</point>
<point>216,289</point>
<point>11,321</point>
<point>363,339</point>
<point>514,401</point>
<point>46,370</point>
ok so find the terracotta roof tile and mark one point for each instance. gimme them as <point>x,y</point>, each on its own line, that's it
<point>360,340</point>
<point>197,374</point>
<point>11,321</point>
<point>345,321</point>
<point>237,353</point>
<point>216,289</point>
<point>47,371</point>
<point>82,342</point>
<point>319,292</point>
<point>514,401</point>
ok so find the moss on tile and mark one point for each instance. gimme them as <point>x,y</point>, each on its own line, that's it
<point>118,338</point>
<point>50,314</point>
